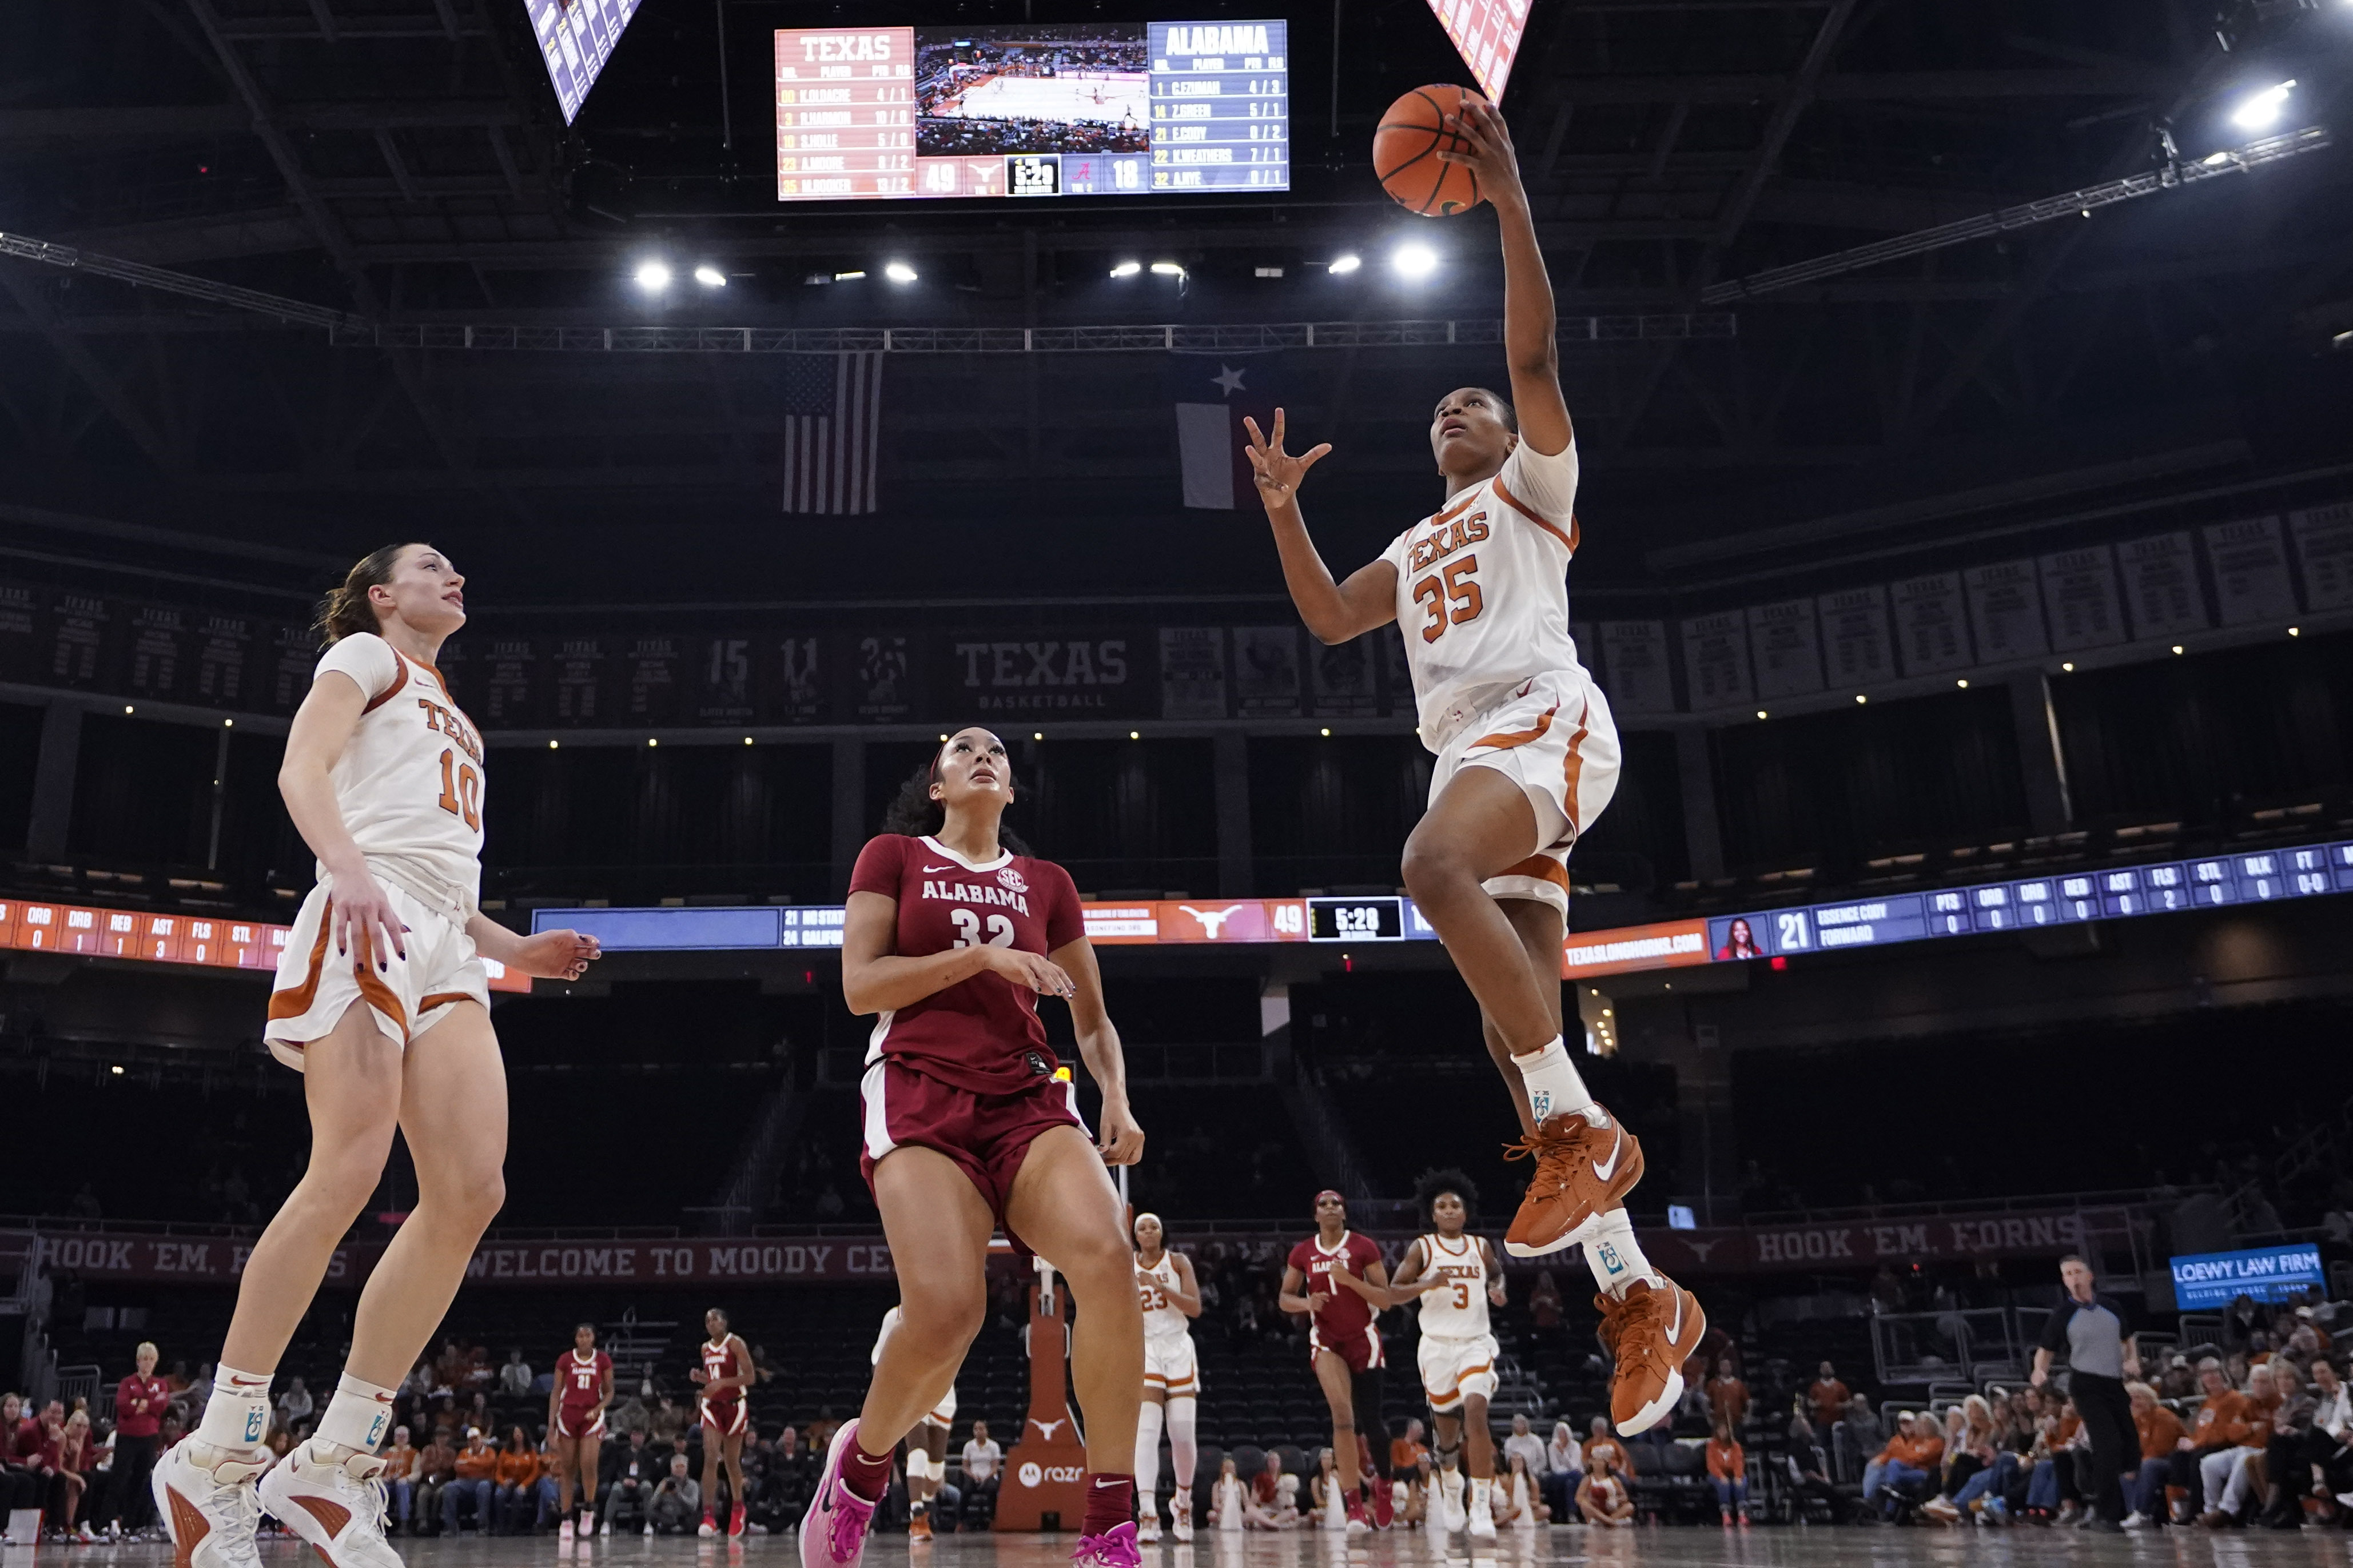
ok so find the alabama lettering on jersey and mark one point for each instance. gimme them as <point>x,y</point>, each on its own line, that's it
<point>1346,1313</point>
<point>583,1381</point>
<point>1458,1308</point>
<point>981,1035</point>
<point>1482,585</point>
<point>409,781</point>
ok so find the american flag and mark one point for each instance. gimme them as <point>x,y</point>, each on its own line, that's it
<point>833,416</point>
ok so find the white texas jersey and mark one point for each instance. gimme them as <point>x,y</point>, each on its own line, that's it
<point>1457,1309</point>
<point>1482,585</point>
<point>1162,1321</point>
<point>409,783</point>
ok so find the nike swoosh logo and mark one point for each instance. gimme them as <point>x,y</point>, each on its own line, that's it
<point>1606,1168</point>
<point>1676,1327</point>
<point>931,869</point>
<point>1104,1483</point>
<point>241,1383</point>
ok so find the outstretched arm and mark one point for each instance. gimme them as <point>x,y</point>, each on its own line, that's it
<point>1334,612</point>
<point>1529,345</point>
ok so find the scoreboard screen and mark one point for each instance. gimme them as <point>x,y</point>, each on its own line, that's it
<point>1486,33</point>
<point>1049,109</point>
<point>576,39</point>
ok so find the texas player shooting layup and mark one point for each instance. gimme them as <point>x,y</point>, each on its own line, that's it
<point>1172,1379</point>
<point>382,1003</point>
<point>926,1446</point>
<point>575,1421</point>
<point>1345,1347</point>
<point>725,1376</point>
<point>1527,756</point>
<point>953,932</point>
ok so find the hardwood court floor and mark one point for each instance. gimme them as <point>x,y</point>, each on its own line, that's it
<point>1684,1547</point>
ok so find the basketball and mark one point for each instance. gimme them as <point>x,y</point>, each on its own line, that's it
<point>1406,151</point>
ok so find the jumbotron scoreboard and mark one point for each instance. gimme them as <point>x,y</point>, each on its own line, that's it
<point>1058,110</point>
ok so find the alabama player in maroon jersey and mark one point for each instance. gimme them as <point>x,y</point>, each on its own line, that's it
<point>1525,757</point>
<point>575,1419</point>
<point>725,1376</point>
<point>1345,1347</point>
<point>954,933</point>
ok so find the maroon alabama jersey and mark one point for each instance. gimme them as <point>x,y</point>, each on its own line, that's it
<point>981,1035</point>
<point>1347,1314</point>
<point>582,1382</point>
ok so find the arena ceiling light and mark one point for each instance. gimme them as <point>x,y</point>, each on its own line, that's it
<point>898,272</point>
<point>1344,265</point>
<point>2261,111</point>
<point>848,277</point>
<point>1128,269</point>
<point>1167,269</point>
<point>1414,259</point>
<point>709,276</point>
<point>653,277</point>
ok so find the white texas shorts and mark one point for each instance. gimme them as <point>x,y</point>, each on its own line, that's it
<point>1553,735</point>
<point>1452,1368</point>
<point>316,986</point>
<point>944,1413</point>
<point>1170,1367</point>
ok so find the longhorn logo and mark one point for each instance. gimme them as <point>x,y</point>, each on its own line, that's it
<point>1046,1428</point>
<point>1211,919</point>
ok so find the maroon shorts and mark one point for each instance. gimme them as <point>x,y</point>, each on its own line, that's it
<point>988,1135</point>
<point>1361,1349</point>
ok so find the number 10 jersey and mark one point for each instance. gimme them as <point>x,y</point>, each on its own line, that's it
<point>409,781</point>
<point>981,1034</point>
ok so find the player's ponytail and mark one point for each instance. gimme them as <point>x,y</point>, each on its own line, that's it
<point>345,611</point>
<point>914,813</point>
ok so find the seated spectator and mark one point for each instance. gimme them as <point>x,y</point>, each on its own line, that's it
<point>514,1378</point>
<point>294,1404</point>
<point>1409,1467</point>
<point>1602,1497</point>
<point>788,1472</point>
<point>517,1474</point>
<point>1543,1303</point>
<point>1974,1468</point>
<point>1563,1467</point>
<point>400,1477</point>
<point>436,1468</point>
<point>677,1502</point>
<point>1803,1468</point>
<point>2178,1380</point>
<point>1910,1459</point>
<point>1322,1486</point>
<point>69,1456</point>
<point>1272,1502</point>
<point>627,1476</point>
<point>668,1420</point>
<point>474,1486</point>
<point>629,1415</point>
<point>1228,1509</point>
<point>982,1460</point>
<point>1603,1443</point>
<point>1517,1503</point>
<point>19,1487</point>
<point>1861,1434</point>
<point>1727,1471</point>
<point>2218,1433</point>
<point>1524,1442</point>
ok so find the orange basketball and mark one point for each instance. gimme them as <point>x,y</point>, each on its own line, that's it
<point>1406,148</point>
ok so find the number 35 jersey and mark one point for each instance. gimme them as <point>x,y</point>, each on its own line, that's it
<point>981,1034</point>
<point>1483,587</point>
<point>409,781</point>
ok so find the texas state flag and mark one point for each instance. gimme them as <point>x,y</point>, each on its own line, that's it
<point>1212,393</point>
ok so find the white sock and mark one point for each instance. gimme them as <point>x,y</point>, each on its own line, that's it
<point>1482,1498</point>
<point>359,1415</point>
<point>1554,1088</point>
<point>238,1414</point>
<point>1184,1453</point>
<point>1147,1450</point>
<point>1615,1257</point>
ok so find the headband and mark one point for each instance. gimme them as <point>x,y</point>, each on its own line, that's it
<point>1148,1215</point>
<point>1330,1192</point>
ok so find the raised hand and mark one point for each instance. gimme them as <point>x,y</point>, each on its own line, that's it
<point>1276,472</point>
<point>1488,151</point>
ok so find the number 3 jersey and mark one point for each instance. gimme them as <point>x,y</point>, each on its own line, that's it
<point>981,1034</point>
<point>1483,587</point>
<point>409,781</point>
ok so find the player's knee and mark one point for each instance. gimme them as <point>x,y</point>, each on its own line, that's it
<point>466,1197</point>
<point>1102,1270</point>
<point>1434,871</point>
<point>342,1173</point>
<point>944,1316</point>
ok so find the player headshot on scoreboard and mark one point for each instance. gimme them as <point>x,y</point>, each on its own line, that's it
<point>1739,941</point>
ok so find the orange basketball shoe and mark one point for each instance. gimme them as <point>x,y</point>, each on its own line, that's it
<point>1581,1170</point>
<point>1649,1333</point>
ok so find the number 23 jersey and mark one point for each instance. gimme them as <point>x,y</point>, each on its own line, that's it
<point>1482,588</point>
<point>409,781</point>
<point>981,1034</point>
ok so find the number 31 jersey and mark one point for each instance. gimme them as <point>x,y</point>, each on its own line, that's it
<point>981,1034</point>
<point>1482,586</point>
<point>409,781</point>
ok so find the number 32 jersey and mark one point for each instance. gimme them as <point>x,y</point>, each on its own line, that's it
<point>981,1034</point>
<point>1482,586</point>
<point>409,781</point>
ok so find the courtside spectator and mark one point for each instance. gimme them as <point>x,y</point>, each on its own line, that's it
<point>141,1401</point>
<point>678,1500</point>
<point>475,1487</point>
<point>435,1468</point>
<point>1527,1445</point>
<point>400,1477</point>
<point>1912,1458</point>
<point>294,1404</point>
<point>1564,1468</point>
<point>515,1503</point>
<point>982,1460</point>
<point>628,1475</point>
<point>514,1378</point>
<point>1604,1499</point>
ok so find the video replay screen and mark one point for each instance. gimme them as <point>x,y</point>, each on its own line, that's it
<point>1065,109</point>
